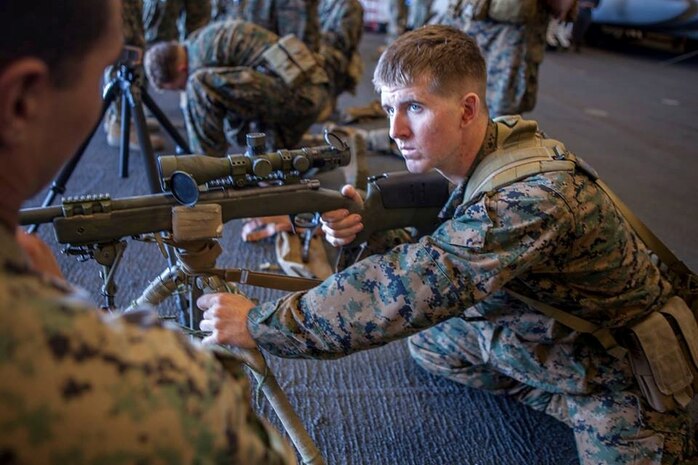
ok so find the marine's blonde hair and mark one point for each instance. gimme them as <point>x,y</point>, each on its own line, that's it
<point>448,58</point>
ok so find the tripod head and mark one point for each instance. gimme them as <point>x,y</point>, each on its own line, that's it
<point>128,68</point>
<point>130,56</point>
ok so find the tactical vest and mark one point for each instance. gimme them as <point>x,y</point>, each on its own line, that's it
<point>663,347</point>
<point>291,60</point>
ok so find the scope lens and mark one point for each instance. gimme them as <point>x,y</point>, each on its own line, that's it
<point>184,188</point>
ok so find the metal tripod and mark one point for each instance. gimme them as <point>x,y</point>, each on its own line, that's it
<point>195,267</point>
<point>129,82</point>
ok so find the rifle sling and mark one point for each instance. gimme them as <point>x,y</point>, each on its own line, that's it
<point>603,335</point>
<point>268,280</point>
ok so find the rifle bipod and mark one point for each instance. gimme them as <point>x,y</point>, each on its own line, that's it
<point>196,267</point>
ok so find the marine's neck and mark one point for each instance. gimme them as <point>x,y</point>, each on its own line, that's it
<point>471,145</point>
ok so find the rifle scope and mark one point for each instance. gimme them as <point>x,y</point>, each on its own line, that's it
<point>246,169</point>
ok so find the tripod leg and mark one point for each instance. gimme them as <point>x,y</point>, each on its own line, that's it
<point>182,144</point>
<point>195,314</point>
<point>144,139</point>
<point>58,184</point>
<point>125,145</point>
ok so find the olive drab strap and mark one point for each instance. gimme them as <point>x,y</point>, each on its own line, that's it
<point>498,170</point>
<point>603,335</point>
<point>522,152</point>
<point>532,155</point>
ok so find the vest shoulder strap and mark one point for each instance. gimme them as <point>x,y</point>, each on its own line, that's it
<point>499,169</point>
<point>520,153</point>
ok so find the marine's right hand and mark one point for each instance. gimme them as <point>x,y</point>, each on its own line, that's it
<point>340,226</point>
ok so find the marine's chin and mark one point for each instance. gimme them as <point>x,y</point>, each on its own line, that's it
<point>416,165</point>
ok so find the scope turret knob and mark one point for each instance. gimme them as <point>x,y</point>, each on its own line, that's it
<point>256,143</point>
<point>301,163</point>
<point>261,167</point>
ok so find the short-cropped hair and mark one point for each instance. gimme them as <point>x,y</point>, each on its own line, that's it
<point>58,32</point>
<point>160,63</point>
<point>448,58</point>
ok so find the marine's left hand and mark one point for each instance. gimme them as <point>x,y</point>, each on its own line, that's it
<point>225,317</point>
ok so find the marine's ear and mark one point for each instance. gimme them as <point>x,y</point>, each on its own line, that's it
<point>24,84</point>
<point>470,104</point>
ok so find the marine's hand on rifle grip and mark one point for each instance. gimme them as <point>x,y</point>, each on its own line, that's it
<point>341,226</point>
<point>225,317</point>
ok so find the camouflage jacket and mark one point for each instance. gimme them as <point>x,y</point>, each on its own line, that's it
<point>79,387</point>
<point>131,13</point>
<point>555,237</point>
<point>228,44</point>
<point>341,22</point>
<point>297,17</point>
<point>342,26</point>
<point>161,18</point>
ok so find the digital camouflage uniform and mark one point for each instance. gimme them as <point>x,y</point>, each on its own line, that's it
<point>512,52</point>
<point>161,18</point>
<point>229,87</point>
<point>80,387</point>
<point>342,27</point>
<point>397,20</point>
<point>132,13</point>
<point>555,237</point>
<point>282,17</point>
<point>419,13</point>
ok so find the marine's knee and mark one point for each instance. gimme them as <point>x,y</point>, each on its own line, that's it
<point>431,354</point>
<point>423,351</point>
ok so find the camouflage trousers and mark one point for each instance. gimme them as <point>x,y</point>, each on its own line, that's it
<point>614,427</point>
<point>512,68</point>
<point>162,19</point>
<point>282,17</point>
<point>222,103</point>
<point>397,20</point>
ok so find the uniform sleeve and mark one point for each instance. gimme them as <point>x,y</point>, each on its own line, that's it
<point>120,389</point>
<point>486,244</point>
<point>344,32</point>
